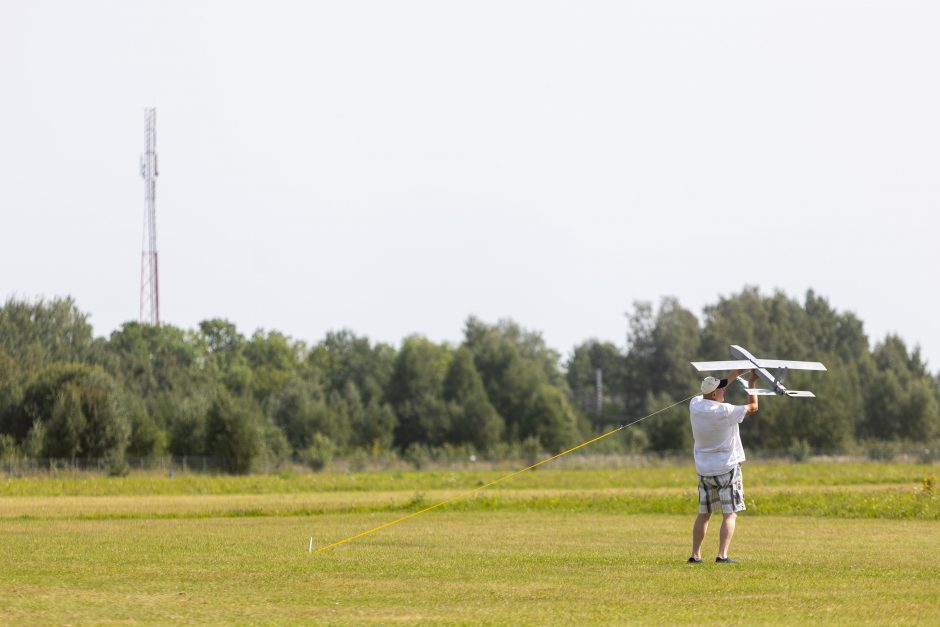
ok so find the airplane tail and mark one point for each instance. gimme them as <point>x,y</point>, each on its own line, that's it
<point>756,392</point>
<point>800,394</point>
<point>793,393</point>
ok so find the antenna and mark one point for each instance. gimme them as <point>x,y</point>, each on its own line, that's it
<point>149,277</point>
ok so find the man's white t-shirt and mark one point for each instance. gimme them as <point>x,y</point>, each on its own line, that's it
<point>718,447</point>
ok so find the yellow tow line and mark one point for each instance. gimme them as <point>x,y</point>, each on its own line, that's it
<point>492,483</point>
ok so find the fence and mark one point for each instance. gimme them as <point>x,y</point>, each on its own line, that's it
<point>19,466</point>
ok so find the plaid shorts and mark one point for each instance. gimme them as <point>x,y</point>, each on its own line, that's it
<point>726,491</point>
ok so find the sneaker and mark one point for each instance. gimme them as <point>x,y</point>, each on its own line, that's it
<point>692,560</point>
<point>724,560</point>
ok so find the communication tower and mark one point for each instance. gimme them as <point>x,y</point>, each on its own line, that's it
<point>149,277</point>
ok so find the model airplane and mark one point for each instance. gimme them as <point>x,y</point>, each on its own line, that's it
<point>747,361</point>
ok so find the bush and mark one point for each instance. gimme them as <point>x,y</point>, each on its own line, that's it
<point>8,450</point>
<point>320,452</point>
<point>35,440</point>
<point>358,460</point>
<point>276,447</point>
<point>531,449</point>
<point>117,467</point>
<point>502,451</point>
<point>930,453</point>
<point>419,455</point>
<point>799,450</point>
<point>635,440</point>
<point>882,450</point>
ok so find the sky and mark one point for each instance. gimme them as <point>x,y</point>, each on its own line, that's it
<point>395,167</point>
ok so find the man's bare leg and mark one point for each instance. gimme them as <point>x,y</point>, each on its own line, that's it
<point>727,531</point>
<point>698,534</point>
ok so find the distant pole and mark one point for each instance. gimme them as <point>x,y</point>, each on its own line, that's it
<point>149,276</point>
<point>599,390</point>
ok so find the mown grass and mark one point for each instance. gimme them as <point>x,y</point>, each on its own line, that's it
<point>820,543</point>
<point>516,567</point>
<point>841,490</point>
<point>893,502</point>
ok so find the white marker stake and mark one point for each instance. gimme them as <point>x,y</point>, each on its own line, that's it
<point>310,545</point>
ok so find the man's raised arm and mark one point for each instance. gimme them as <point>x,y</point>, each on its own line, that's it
<point>752,398</point>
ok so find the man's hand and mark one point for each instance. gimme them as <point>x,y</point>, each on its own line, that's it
<point>753,378</point>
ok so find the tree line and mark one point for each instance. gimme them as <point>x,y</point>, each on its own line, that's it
<point>149,391</point>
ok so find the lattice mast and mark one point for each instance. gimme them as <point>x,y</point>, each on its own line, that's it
<point>149,276</point>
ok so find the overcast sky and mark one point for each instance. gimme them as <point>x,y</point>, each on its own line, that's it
<point>394,167</point>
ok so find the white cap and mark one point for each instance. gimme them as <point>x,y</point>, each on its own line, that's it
<point>710,384</point>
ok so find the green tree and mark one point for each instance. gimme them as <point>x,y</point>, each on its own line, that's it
<point>884,401</point>
<point>343,358</point>
<point>225,348</point>
<point>641,352</point>
<point>166,374</point>
<point>81,409</point>
<point>147,439</point>
<point>581,375</point>
<point>273,359</point>
<point>11,390</point>
<point>66,424</point>
<point>151,359</point>
<point>669,430</point>
<point>235,430</point>
<point>833,333</point>
<point>374,428</point>
<point>514,365</point>
<point>551,419</point>
<point>676,335</point>
<point>188,428</point>
<point>473,418</point>
<point>41,332</point>
<point>901,398</point>
<point>301,411</point>
<point>415,393</point>
<point>658,369</point>
<point>922,411</point>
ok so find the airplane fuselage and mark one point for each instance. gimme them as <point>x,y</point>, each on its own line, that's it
<point>763,373</point>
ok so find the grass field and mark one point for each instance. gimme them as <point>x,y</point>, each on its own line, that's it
<point>839,543</point>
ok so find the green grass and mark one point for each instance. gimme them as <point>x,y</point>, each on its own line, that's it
<point>672,476</point>
<point>819,543</point>
<point>452,567</point>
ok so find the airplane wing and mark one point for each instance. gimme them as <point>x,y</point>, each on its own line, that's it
<point>704,366</point>
<point>792,365</point>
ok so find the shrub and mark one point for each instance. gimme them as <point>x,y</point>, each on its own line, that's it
<point>8,450</point>
<point>320,452</point>
<point>418,454</point>
<point>929,453</point>
<point>635,440</point>
<point>799,450</point>
<point>531,449</point>
<point>882,450</point>
<point>358,460</point>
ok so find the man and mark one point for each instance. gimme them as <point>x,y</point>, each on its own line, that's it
<point>718,456</point>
